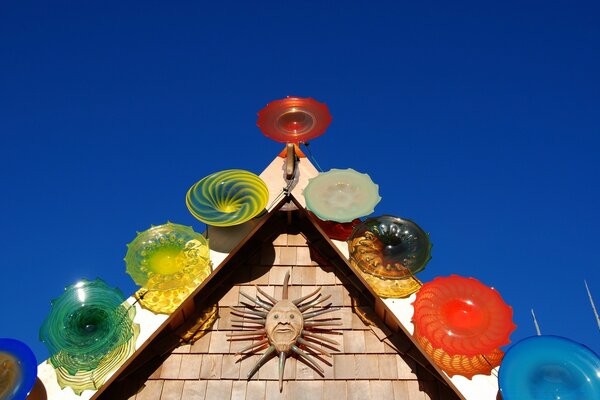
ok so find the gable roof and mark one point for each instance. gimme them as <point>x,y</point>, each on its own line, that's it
<point>230,248</point>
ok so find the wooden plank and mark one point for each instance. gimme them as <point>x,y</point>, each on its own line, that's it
<point>190,366</point>
<point>269,255</point>
<point>296,240</point>
<point>358,390</point>
<point>307,275</point>
<point>323,276</point>
<point>305,371</point>
<point>381,390</point>
<point>303,257</point>
<point>400,390</point>
<point>218,390</point>
<point>289,372</point>
<point>372,343</point>
<point>337,298</point>
<point>306,390</point>
<point>193,390</point>
<point>346,317</point>
<point>230,367</point>
<point>231,298</point>
<point>414,392</point>
<point>238,390</point>
<point>151,391</point>
<point>357,323</point>
<point>335,390</point>
<point>224,320</point>
<point>259,275</point>
<point>201,345</point>
<point>184,349</point>
<point>170,367</point>
<point>388,368</point>
<point>272,391</point>
<point>354,342</point>
<point>367,366</point>
<point>406,368</point>
<point>255,390</point>
<point>156,373</point>
<point>211,366</point>
<point>219,342</point>
<point>269,370</point>
<point>276,275</point>
<point>288,256</point>
<point>281,240</point>
<point>246,365</point>
<point>380,309</point>
<point>344,366</point>
<point>172,390</point>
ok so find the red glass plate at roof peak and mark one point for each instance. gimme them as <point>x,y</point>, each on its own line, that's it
<point>294,119</point>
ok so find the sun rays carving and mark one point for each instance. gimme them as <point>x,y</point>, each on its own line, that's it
<point>285,328</point>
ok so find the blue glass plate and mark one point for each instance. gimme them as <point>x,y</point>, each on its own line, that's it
<point>550,367</point>
<point>18,369</point>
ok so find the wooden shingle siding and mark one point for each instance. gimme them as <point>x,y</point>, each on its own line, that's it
<point>367,364</point>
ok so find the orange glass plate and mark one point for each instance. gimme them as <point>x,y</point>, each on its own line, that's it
<point>467,366</point>
<point>462,316</point>
<point>294,119</point>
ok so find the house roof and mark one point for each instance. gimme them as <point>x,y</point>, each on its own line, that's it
<point>286,237</point>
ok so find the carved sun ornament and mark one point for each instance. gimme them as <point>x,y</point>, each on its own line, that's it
<point>285,328</point>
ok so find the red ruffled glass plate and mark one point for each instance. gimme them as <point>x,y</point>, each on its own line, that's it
<point>294,119</point>
<point>462,316</point>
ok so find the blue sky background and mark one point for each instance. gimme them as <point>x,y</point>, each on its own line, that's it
<point>479,121</point>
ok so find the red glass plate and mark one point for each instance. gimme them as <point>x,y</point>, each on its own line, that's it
<point>294,119</point>
<point>462,316</point>
<point>337,230</point>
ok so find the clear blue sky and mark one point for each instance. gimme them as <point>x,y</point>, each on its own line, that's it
<point>479,120</point>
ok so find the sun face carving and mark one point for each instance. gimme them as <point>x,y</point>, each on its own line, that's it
<point>284,325</point>
<point>285,328</point>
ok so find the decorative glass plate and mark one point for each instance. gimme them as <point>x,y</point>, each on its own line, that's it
<point>227,198</point>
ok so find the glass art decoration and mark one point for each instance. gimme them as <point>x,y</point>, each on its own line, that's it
<point>166,301</point>
<point>337,230</point>
<point>199,325</point>
<point>462,316</point>
<point>341,195</point>
<point>18,369</point>
<point>227,198</point>
<point>95,378</point>
<point>389,247</point>
<point>285,328</point>
<point>467,366</point>
<point>88,321</point>
<point>294,119</point>
<point>549,367</point>
<point>168,257</point>
<point>389,288</point>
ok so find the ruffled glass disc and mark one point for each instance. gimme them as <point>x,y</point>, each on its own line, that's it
<point>462,316</point>
<point>227,198</point>
<point>95,378</point>
<point>167,301</point>
<point>389,247</point>
<point>467,366</point>
<point>389,288</point>
<point>18,369</point>
<point>294,119</point>
<point>168,256</point>
<point>550,367</point>
<point>341,195</point>
<point>85,323</point>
